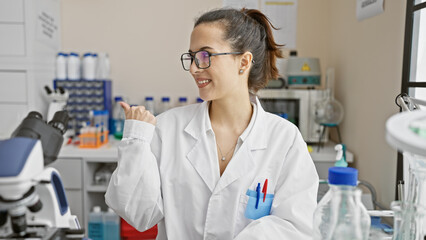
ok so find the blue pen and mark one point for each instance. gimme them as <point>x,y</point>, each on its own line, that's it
<point>258,195</point>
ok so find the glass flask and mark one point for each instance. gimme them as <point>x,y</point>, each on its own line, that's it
<point>341,208</point>
<point>408,221</point>
<point>346,216</point>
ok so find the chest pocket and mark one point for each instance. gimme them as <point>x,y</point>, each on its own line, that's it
<point>256,207</point>
<point>247,211</point>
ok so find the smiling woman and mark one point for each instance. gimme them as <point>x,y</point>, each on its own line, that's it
<point>224,168</point>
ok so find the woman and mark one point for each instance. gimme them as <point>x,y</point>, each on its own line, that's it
<point>222,169</point>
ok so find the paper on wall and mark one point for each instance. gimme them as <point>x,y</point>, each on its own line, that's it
<point>238,4</point>
<point>283,15</point>
<point>368,8</point>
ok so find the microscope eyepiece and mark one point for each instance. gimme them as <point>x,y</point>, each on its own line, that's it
<point>34,114</point>
<point>60,121</point>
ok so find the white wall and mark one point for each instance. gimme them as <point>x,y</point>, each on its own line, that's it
<point>145,40</point>
<point>367,56</point>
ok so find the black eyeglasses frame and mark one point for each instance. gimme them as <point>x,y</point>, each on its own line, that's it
<point>192,54</point>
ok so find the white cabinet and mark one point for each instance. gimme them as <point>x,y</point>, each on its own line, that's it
<point>29,41</point>
<point>77,167</point>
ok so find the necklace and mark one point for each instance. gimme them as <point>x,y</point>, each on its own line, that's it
<point>223,158</point>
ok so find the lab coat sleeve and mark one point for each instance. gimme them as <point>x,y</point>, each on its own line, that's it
<point>134,191</point>
<point>294,202</point>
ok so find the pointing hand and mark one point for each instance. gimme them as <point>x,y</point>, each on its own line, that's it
<point>138,113</point>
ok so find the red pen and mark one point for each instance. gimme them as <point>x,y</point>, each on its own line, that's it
<point>265,189</point>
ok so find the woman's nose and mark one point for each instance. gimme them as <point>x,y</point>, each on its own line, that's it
<point>193,68</point>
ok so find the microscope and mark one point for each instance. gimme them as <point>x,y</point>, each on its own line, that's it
<point>33,203</point>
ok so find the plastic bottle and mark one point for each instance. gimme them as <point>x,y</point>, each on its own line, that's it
<point>340,214</point>
<point>149,104</point>
<point>89,66</point>
<point>61,66</point>
<point>96,225</point>
<point>165,104</point>
<point>73,66</point>
<point>111,225</point>
<point>102,67</point>
<point>182,101</point>
<point>118,118</point>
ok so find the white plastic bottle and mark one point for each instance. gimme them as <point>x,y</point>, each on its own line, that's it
<point>182,101</point>
<point>61,66</point>
<point>340,214</point>
<point>164,105</point>
<point>89,66</point>
<point>118,118</point>
<point>111,225</point>
<point>73,66</point>
<point>149,104</point>
<point>96,224</point>
<point>102,67</point>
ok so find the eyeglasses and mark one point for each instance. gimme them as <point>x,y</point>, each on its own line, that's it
<point>202,59</point>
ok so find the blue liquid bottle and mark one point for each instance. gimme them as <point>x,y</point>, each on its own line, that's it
<point>111,225</point>
<point>96,225</point>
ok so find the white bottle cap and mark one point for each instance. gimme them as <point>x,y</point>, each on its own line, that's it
<point>96,209</point>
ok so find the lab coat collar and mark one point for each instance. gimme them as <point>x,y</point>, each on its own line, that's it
<point>199,125</point>
<point>242,162</point>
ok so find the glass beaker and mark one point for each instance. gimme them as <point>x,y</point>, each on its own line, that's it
<point>417,179</point>
<point>408,221</point>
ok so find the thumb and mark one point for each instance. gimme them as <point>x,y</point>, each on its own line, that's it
<point>125,106</point>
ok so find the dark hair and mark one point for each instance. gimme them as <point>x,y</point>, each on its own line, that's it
<point>249,30</point>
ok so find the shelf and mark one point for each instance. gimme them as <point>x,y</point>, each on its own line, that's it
<point>105,153</point>
<point>96,188</point>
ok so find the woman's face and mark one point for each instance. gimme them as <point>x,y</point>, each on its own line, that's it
<point>222,78</point>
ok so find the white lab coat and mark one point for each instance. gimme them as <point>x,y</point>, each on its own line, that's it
<point>169,174</point>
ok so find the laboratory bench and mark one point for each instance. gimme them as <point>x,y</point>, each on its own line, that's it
<point>77,167</point>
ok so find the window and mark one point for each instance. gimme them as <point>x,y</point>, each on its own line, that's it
<point>414,62</point>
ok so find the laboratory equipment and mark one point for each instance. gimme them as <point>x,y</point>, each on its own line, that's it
<point>328,111</point>
<point>118,118</point>
<point>103,174</point>
<point>150,105</point>
<point>111,225</point>
<point>85,96</point>
<point>103,67</point>
<point>299,107</point>
<point>164,105</point>
<point>182,101</point>
<point>400,136</point>
<point>408,220</point>
<point>73,66</point>
<point>341,208</point>
<point>89,66</point>
<point>32,198</point>
<point>61,66</point>
<point>57,100</point>
<point>96,224</point>
<point>341,155</point>
<point>304,72</point>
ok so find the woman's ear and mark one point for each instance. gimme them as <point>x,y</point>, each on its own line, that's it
<point>246,61</point>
